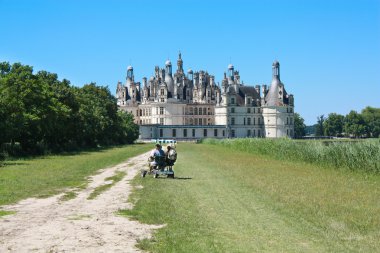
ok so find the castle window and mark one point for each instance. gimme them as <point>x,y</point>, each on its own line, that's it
<point>184,132</point>
<point>233,110</point>
<point>161,121</point>
<point>195,111</point>
<point>204,122</point>
<point>232,121</point>
<point>232,133</point>
<point>162,100</point>
<point>248,110</point>
<point>258,133</point>
<point>249,132</point>
<point>200,111</point>
<point>161,132</point>
<point>204,132</point>
<point>248,121</point>
<point>200,122</point>
<point>161,110</point>
<point>254,110</point>
<point>244,121</point>
<point>232,100</point>
<point>215,132</point>
<point>174,132</point>
<point>162,92</point>
<point>204,111</point>
<point>254,132</point>
<point>224,133</point>
<point>193,132</point>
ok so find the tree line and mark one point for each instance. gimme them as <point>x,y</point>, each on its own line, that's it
<point>39,113</point>
<point>358,125</point>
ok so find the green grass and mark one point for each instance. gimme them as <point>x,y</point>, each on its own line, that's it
<point>45,176</point>
<point>68,195</point>
<point>232,201</point>
<point>3,212</point>
<point>98,190</point>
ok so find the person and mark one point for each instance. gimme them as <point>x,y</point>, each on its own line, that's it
<point>170,155</point>
<point>157,157</point>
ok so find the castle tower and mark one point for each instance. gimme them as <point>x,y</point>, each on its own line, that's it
<point>169,79</point>
<point>179,64</point>
<point>231,72</point>
<point>130,76</point>
<point>275,96</point>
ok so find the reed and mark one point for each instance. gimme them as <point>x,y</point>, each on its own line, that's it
<point>356,155</point>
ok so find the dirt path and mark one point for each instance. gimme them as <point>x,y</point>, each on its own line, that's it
<point>79,224</point>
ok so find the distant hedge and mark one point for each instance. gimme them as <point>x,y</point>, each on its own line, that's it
<point>39,113</point>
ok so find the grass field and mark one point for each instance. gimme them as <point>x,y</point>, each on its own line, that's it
<point>231,201</point>
<point>45,176</point>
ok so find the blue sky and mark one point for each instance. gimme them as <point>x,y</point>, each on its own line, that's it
<point>329,51</point>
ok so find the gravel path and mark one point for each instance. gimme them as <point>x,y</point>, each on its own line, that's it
<point>79,224</point>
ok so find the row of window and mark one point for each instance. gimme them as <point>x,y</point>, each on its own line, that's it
<point>144,112</point>
<point>185,133</point>
<point>249,110</point>
<point>215,133</point>
<point>199,111</point>
<point>248,121</point>
<point>249,133</point>
<point>198,121</point>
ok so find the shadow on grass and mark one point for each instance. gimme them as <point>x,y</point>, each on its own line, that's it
<point>79,151</point>
<point>11,164</point>
<point>176,178</point>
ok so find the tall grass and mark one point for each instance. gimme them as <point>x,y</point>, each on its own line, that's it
<point>356,156</point>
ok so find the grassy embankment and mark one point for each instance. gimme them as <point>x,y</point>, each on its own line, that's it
<point>45,176</point>
<point>231,201</point>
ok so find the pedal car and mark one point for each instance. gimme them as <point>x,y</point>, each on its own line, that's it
<point>159,167</point>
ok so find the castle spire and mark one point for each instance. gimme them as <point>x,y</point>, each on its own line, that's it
<point>179,63</point>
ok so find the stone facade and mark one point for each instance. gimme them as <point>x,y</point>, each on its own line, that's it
<point>192,106</point>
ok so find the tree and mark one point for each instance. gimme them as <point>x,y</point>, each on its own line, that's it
<point>333,125</point>
<point>319,130</point>
<point>129,130</point>
<point>299,126</point>
<point>371,118</point>
<point>354,124</point>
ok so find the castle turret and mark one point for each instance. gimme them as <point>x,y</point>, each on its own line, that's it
<point>276,90</point>
<point>168,77</point>
<point>179,64</point>
<point>130,76</point>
